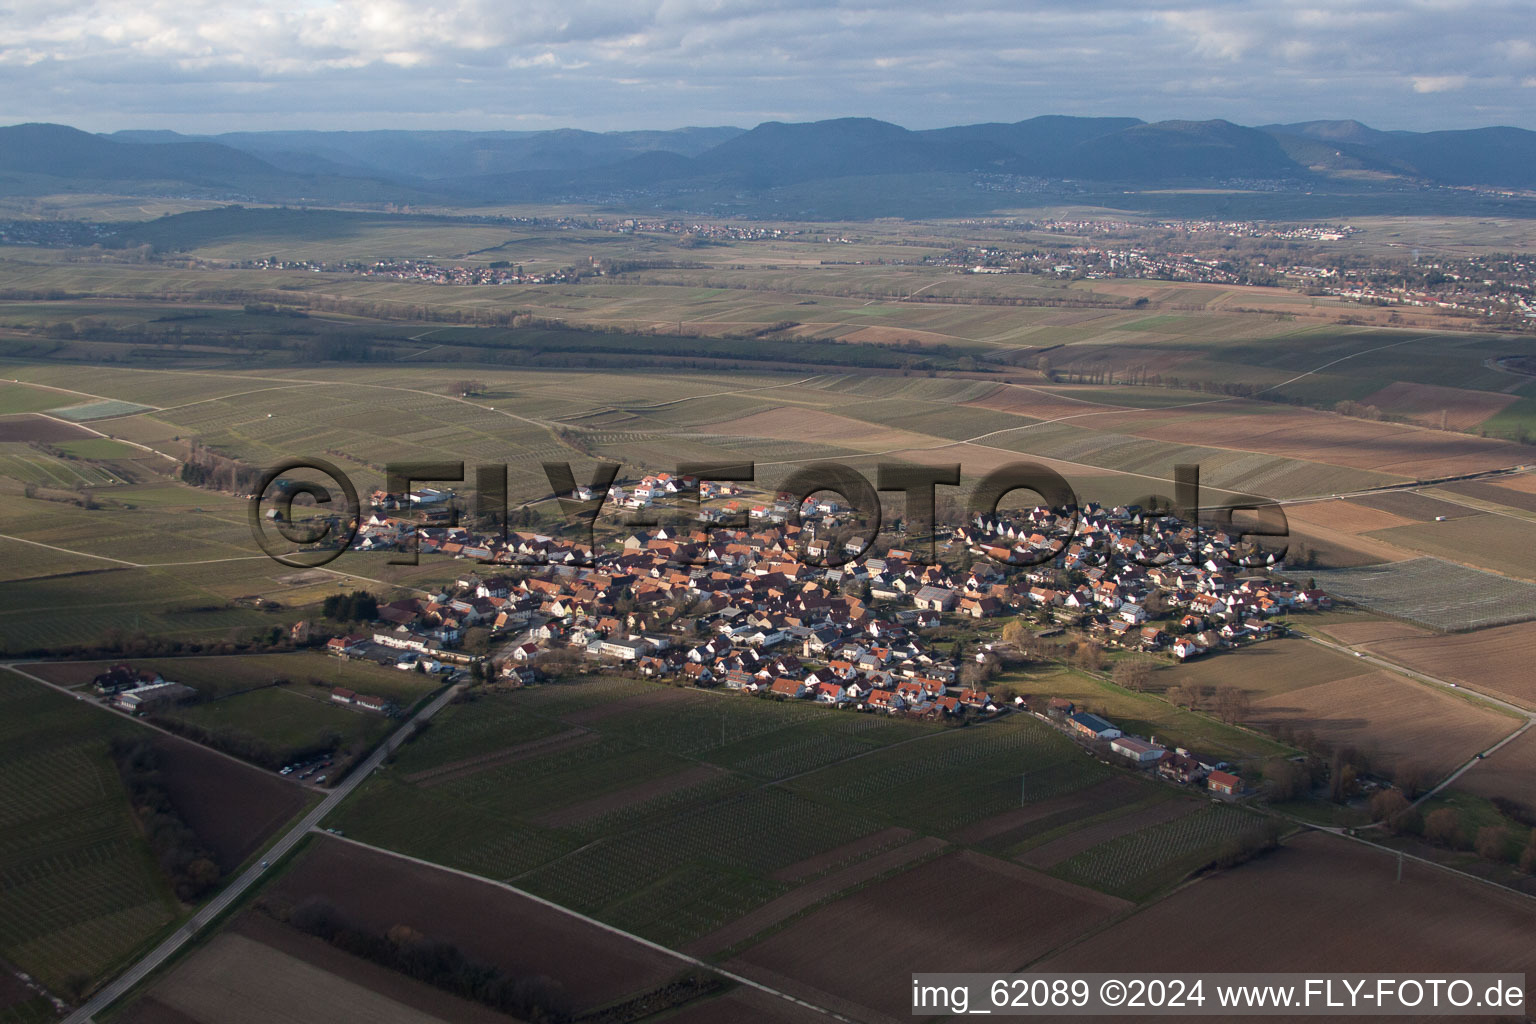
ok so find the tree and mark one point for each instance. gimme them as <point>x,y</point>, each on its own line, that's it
<point>1528,855</point>
<point>1088,656</point>
<point>1180,695</point>
<point>1392,807</point>
<point>1133,673</point>
<point>1443,826</point>
<point>1016,634</point>
<point>1285,781</point>
<point>1491,843</point>
<point>1232,704</point>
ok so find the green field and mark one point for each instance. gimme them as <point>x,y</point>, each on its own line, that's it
<point>671,814</point>
<point>1146,714</point>
<point>287,719</point>
<point>82,891</point>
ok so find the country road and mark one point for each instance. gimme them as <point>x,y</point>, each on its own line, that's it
<point>237,888</point>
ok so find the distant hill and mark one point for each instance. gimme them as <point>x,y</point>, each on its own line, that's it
<point>38,158</point>
<point>1499,157</point>
<point>421,156</point>
<point>1180,151</point>
<point>823,166</point>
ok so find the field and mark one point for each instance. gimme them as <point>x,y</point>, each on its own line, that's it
<point>704,821</point>
<point>224,675</point>
<point>286,720</point>
<point>1393,721</point>
<point>38,428</point>
<point>1145,714</point>
<point>241,980</point>
<point>778,837</point>
<point>1509,773</point>
<point>1137,865</point>
<point>231,807</point>
<point>999,918</point>
<point>1504,492</point>
<point>82,891</point>
<point>1264,670</point>
<point>1320,902</point>
<point>1432,592</point>
<point>1433,406</point>
<point>1496,660</point>
<point>491,923</point>
<point>1499,543</point>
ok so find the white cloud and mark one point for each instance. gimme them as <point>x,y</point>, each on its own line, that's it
<point>1439,83</point>
<point>662,63</point>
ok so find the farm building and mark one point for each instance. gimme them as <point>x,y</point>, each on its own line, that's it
<point>142,698</point>
<point>1224,783</point>
<point>1136,750</point>
<point>1093,727</point>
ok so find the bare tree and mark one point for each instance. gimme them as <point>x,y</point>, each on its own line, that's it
<point>1134,673</point>
<point>1491,843</point>
<point>1232,704</point>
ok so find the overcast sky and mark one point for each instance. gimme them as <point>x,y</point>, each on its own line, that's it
<point>198,65</point>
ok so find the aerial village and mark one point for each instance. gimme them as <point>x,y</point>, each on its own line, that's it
<point>760,608</point>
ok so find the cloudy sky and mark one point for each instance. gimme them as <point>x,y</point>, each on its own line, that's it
<point>201,65</point>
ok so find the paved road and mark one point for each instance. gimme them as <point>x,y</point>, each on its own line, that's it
<point>235,889</point>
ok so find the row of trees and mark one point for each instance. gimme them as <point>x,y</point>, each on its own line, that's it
<point>190,864</point>
<point>538,1000</point>
<point>208,469</point>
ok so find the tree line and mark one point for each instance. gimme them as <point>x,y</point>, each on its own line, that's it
<point>538,1000</point>
<point>189,863</point>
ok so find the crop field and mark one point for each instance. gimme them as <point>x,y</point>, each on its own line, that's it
<point>586,793</point>
<point>1433,592</point>
<point>30,427</point>
<point>17,398</point>
<point>232,807</point>
<point>485,921</point>
<point>1505,493</point>
<point>1001,764</point>
<point>1434,406</point>
<point>82,890</point>
<point>1137,865</point>
<point>286,718</point>
<point>1509,773</point>
<point>1496,660</point>
<point>1349,517</point>
<point>1002,918</point>
<point>1413,506</point>
<point>244,981</point>
<point>1501,543</point>
<point>1395,722</point>
<point>26,464</point>
<point>1263,670</point>
<point>221,676</point>
<point>1320,901</point>
<point>20,560</point>
<point>102,410</point>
